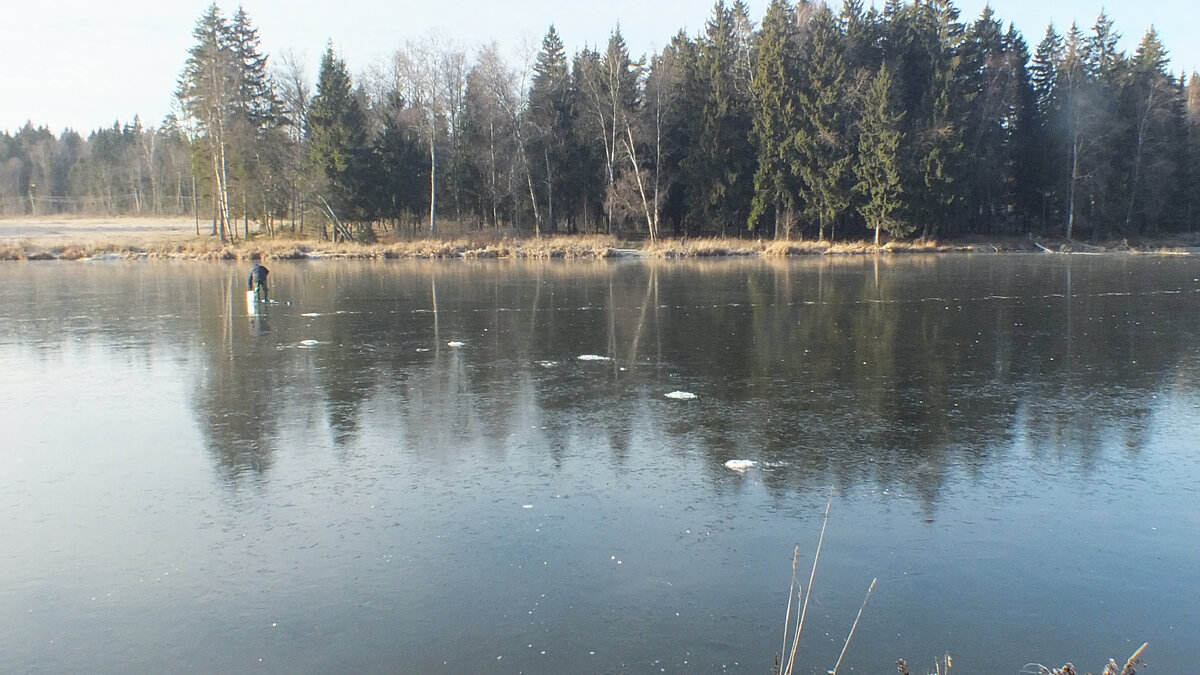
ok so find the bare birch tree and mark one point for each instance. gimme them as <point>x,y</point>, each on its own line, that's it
<point>295,92</point>
<point>431,78</point>
<point>611,92</point>
<point>206,91</point>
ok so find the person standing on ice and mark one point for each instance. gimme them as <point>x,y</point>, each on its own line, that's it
<point>258,281</point>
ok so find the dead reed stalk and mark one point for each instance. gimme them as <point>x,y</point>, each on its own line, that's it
<point>846,644</point>
<point>1130,668</point>
<point>789,664</point>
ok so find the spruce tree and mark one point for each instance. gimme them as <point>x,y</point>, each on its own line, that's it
<point>939,154</point>
<point>821,155</point>
<point>610,96</point>
<point>986,80</point>
<point>226,90</point>
<point>586,182</point>
<point>674,77</point>
<point>1152,104</point>
<point>207,93</point>
<point>401,163</point>
<point>1191,158</point>
<point>721,164</point>
<point>255,97</point>
<point>1022,134</point>
<point>1108,139</point>
<point>336,129</point>
<point>1042,70</point>
<point>1079,128</point>
<point>878,166</point>
<point>1048,128</point>
<point>861,34</point>
<point>549,118</point>
<point>775,115</point>
<point>256,131</point>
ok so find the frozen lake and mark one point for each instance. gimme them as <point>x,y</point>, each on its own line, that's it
<point>520,467</point>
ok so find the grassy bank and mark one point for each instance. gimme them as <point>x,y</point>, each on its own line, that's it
<point>481,246</point>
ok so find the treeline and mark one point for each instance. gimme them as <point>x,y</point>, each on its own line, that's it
<point>123,169</point>
<point>847,123</point>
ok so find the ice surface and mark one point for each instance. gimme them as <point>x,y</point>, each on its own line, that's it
<point>681,395</point>
<point>740,465</point>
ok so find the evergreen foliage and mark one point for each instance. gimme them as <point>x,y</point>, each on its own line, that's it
<point>337,136</point>
<point>550,120</point>
<point>878,166</point>
<point>776,112</point>
<point>899,121</point>
<point>821,154</point>
<point>720,164</point>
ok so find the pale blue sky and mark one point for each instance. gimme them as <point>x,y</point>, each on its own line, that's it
<point>84,64</point>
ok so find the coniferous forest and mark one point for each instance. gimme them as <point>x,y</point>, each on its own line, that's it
<point>813,122</point>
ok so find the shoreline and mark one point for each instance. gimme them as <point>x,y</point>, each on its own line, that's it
<point>40,239</point>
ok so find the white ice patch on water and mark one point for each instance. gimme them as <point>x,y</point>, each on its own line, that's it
<point>593,357</point>
<point>309,343</point>
<point>740,465</point>
<point>681,395</point>
<point>547,364</point>
<point>422,349</point>
<point>455,343</point>
<point>311,314</point>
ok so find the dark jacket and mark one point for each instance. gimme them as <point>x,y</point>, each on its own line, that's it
<point>258,273</point>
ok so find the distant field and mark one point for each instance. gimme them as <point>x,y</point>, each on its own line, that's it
<point>51,231</point>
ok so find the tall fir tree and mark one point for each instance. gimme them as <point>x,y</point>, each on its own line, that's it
<point>878,166</point>
<point>821,153</point>
<point>259,137</point>
<point>226,90</point>
<point>1152,105</point>
<point>675,77</point>
<point>720,166</point>
<point>587,175</point>
<point>1106,71</point>
<point>336,129</point>
<point>207,93</point>
<point>774,86</point>
<point>400,163</point>
<point>1049,129</point>
<point>610,97</point>
<point>1022,135</point>
<point>550,118</point>
<point>1191,160</point>
<point>1077,131</point>
<point>937,149</point>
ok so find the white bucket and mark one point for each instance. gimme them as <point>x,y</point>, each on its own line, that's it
<point>251,303</point>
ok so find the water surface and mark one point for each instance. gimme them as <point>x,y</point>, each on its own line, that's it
<point>329,486</point>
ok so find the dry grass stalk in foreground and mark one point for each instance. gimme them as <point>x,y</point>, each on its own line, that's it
<point>789,665</point>
<point>1111,669</point>
<point>941,667</point>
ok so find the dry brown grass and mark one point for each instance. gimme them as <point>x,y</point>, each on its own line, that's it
<point>779,248</point>
<point>701,247</point>
<point>1113,668</point>
<point>456,241</point>
<point>14,251</point>
<point>259,248</point>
